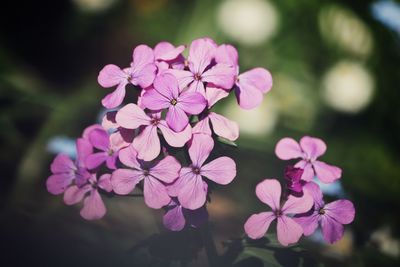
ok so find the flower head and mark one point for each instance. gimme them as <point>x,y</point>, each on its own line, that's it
<point>308,150</point>
<point>269,192</point>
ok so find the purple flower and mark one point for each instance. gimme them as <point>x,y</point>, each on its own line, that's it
<point>190,188</point>
<point>177,216</point>
<point>289,232</point>
<point>108,147</point>
<point>93,205</point>
<point>147,143</point>
<point>203,69</point>
<point>250,85</point>
<point>141,73</point>
<point>221,126</point>
<point>166,95</point>
<point>154,174</point>
<point>309,150</point>
<point>65,171</point>
<point>293,177</point>
<point>166,55</point>
<point>330,216</point>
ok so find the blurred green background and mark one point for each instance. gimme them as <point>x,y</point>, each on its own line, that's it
<point>336,75</point>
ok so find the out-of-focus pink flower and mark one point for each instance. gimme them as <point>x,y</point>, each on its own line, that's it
<point>154,174</point>
<point>221,126</point>
<point>108,146</point>
<point>330,216</point>
<point>202,68</point>
<point>250,85</point>
<point>289,232</point>
<point>65,171</point>
<point>141,73</point>
<point>309,149</point>
<point>147,143</point>
<point>166,95</point>
<point>190,188</point>
<point>93,205</point>
<point>177,216</point>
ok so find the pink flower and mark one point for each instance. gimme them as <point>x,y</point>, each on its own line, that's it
<point>202,68</point>
<point>93,205</point>
<point>190,188</point>
<point>309,150</point>
<point>330,216</point>
<point>177,216</point>
<point>293,177</point>
<point>108,147</point>
<point>141,73</point>
<point>250,85</point>
<point>147,143</point>
<point>166,94</point>
<point>221,126</point>
<point>289,232</point>
<point>65,171</point>
<point>154,174</point>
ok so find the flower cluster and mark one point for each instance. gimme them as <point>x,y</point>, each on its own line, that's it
<point>137,142</point>
<point>304,208</point>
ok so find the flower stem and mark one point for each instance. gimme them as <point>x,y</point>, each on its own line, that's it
<point>209,245</point>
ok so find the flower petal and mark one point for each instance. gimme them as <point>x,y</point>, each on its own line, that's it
<point>192,103</point>
<point>260,78</point>
<point>341,210</point>
<point>295,205</point>
<point>105,182</point>
<point>173,219</point>
<point>197,87</point>
<point>176,118</point>
<point>111,75</point>
<point>75,194</point>
<point>132,116</point>
<point>287,148</point>
<point>221,75</point>
<point>166,51</point>
<point>166,170</point>
<point>147,143</point>
<point>166,85</point>
<point>93,207</point>
<point>155,193</point>
<point>83,149</point>
<point>257,225</point>
<point>192,193</point>
<point>224,127</point>
<point>202,126</point>
<point>269,192</point>
<point>99,139</point>
<point>308,171</point>
<point>214,94</point>
<point>327,173</point>
<point>123,181</point>
<point>184,77</point>
<point>173,138</point>
<point>111,161</point>
<point>142,56</point>
<point>308,221</point>
<point>144,77</point>
<point>200,148</point>
<point>62,164</point>
<point>200,54</point>
<point>57,183</point>
<point>153,100</point>
<point>227,54</point>
<point>128,156</point>
<point>221,170</point>
<point>95,160</point>
<point>288,230</point>
<point>332,230</point>
<point>313,147</point>
<point>316,193</point>
<point>114,99</point>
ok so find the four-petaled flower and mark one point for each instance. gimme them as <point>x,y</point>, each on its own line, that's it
<point>147,143</point>
<point>308,150</point>
<point>166,95</point>
<point>289,232</point>
<point>331,216</point>
<point>190,188</point>
<point>141,73</point>
<point>154,174</point>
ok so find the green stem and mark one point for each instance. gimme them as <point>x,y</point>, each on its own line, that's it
<point>209,245</point>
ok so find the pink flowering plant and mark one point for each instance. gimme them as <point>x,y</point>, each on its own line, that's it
<point>137,146</point>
